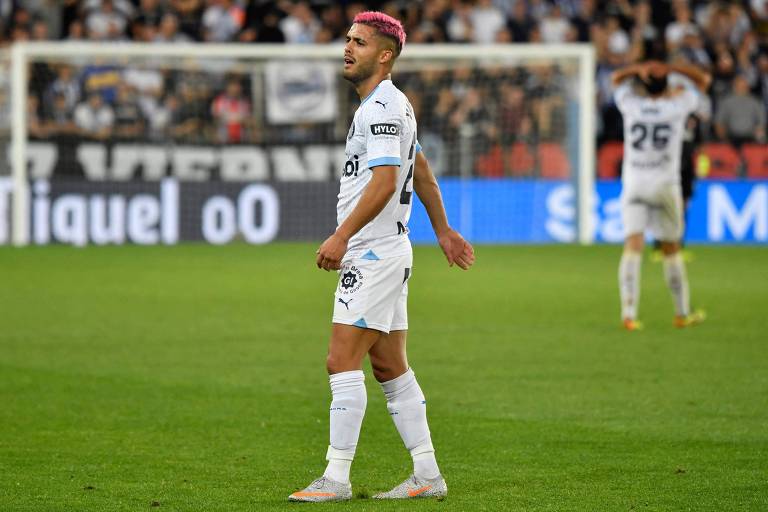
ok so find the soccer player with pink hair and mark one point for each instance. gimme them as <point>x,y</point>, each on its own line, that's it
<point>371,251</point>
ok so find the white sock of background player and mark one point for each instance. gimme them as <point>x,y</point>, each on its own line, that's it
<point>629,283</point>
<point>677,281</point>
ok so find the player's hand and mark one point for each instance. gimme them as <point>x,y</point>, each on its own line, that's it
<point>331,252</point>
<point>456,249</point>
<point>658,68</point>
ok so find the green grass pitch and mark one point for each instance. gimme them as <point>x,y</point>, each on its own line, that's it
<point>192,378</point>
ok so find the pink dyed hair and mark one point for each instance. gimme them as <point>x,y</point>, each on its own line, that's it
<point>385,25</point>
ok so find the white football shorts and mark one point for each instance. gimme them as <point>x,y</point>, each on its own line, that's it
<point>658,209</point>
<point>373,293</point>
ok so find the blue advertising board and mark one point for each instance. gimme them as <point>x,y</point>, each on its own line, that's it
<point>515,211</point>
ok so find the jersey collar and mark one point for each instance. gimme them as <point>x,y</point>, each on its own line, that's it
<point>374,90</point>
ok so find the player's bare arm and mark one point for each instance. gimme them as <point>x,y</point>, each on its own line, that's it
<point>375,197</point>
<point>626,72</point>
<point>456,249</point>
<point>700,78</point>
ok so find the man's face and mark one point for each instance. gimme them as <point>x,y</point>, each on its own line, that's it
<point>740,85</point>
<point>361,53</point>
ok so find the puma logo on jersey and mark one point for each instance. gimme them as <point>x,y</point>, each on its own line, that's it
<point>346,304</point>
<point>382,104</point>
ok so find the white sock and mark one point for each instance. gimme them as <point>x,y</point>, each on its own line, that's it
<point>346,415</point>
<point>408,408</point>
<point>677,281</point>
<point>629,283</point>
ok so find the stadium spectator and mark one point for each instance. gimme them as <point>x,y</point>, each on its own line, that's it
<point>693,50</point>
<point>159,121</point>
<point>724,22</point>
<point>264,30</point>
<point>129,121</point>
<point>148,84</point>
<point>514,114</point>
<point>231,113</point>
<point>168,30</point>
<point>105,22</point>
<point>582,20</point>
<point>151,12</point>
<point>459,26</point>
<point>746,57</point>
<point>431,28</point>
<point>103,77</point>
<point>723,73</point>
<point>740,117</point>
<point>520,23</point>
<point>675,31</point>
<point>301,25</point>
<point>487,21</point>
<point>644,34</point>
<point>76,31</point>
<point>548,105</point>
<point>333,23</point>
<point>94,118</point>
<point>190,13</point>
<point>58,117</point>
<point>762,86</point>
<point>222,20</point>
<point>555,28</point>
<point>39,30</point>
<point>188,123</point>
<point>66,85</point>
<point>617,39</point>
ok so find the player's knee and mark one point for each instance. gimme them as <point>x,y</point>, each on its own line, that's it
<point>634,243</point>
<point>337,364</point>
<point>670,248</point>
<point>384,371</point>
<point>333,364</point>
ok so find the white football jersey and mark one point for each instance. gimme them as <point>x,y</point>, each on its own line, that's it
<point>383,132</point>
<point>653,134</point>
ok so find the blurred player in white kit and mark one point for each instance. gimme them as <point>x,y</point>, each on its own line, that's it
<point>654,126</point>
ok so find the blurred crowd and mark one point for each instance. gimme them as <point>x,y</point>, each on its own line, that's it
<point>727,38</point>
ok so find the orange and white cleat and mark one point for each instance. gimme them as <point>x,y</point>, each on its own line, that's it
<point>631,324</point>
<point>416,487</point>
<point>690,320</point>
<point>323,489</point>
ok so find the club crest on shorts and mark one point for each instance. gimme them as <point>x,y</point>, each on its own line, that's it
<point>351,280</point>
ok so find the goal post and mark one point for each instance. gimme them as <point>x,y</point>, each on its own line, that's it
<point>579,60</point>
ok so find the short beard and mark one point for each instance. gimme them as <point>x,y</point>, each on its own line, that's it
<point>362,74</point>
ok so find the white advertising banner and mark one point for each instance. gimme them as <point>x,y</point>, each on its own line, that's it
<point>300,92</point>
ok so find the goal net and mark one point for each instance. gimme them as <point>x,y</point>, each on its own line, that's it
<point>148,144</point>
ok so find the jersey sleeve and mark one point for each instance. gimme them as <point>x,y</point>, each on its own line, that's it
<point>689,98</point>
<point>622,95</point>
<point>382,139</point>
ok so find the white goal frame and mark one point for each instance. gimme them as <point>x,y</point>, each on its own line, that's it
<point>23,53</point>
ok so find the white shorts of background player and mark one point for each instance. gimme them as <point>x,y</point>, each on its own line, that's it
<point>657,208</point>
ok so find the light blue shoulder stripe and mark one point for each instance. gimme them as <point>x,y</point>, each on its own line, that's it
<point>384,160</point>
<point>371,93</point>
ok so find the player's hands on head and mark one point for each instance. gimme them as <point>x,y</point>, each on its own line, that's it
<point>654,68</point>
<point>331,252</point>
<point>456,249</point>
